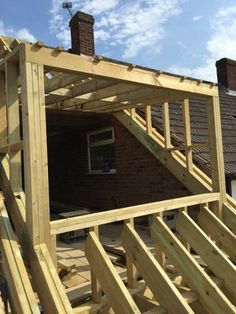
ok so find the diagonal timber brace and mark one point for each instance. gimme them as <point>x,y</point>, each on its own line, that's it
<point>42,268</point>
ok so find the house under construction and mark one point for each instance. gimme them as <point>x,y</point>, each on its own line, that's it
<point>34,79</point>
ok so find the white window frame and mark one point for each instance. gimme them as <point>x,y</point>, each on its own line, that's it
<point>233,189</point>
<point>100,143</point>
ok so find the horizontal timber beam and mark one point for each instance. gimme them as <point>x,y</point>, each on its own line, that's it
<point>63,61</point>
<point>93,100</point>
<point>89,87</point>
<point>109,216</point>
<point>61,81</point>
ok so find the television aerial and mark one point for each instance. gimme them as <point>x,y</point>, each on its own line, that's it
<point>68,6</point>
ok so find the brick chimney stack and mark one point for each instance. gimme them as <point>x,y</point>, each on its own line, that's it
<point>226,73</point>
<point>82,35</point>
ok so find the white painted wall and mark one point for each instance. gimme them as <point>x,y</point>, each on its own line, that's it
<point>233,187</point>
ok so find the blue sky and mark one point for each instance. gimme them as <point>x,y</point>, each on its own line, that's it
<point>181,36</point>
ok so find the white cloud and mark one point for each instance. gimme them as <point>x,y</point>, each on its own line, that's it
<point>222,43</point>
<point>59,19</point>
<point>133,26</point>
<point>97,7</point>
<point>197,18</point>
<point>101,35</point>
<point>22,33</point>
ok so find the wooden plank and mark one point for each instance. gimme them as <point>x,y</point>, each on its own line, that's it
<point>3,115</point>
<point>44,280</point>
<point>61,80</point>
<point>148,116</point>
<point>229,217</point>
<point>135,94</point>
<point>13,123</point>
<point>13,148</point>
<point>19,287</point>
<point>34,257</point>
<point>47,282</point>
<point>225,239</point>
<point>216,150</point>
<point>111,106</point>
<point>155,277</point>
<point>14,201</point>
<point>178,156</point>
<point>209,294</point>
<point>95,286</point>
<point>132,274</point>
<point>189,147</point>
<point>160,255</point>
<point>107,69</point>
<point>157,98</point>
<point>166,124</point>
<point>35,153</point>
<point>208,250</point>
<point>93,89</point>
<point>185,243</point>
<point>187,134</point>
<point>111,284</point>
<point>86,221</point>
<point>104,306</point>
<point>4,48</point>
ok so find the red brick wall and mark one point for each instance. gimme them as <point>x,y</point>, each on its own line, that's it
<point>140,177</point>
<point>82,36</point>
<point>226,73</point>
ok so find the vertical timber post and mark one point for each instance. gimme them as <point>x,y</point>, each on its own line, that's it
<point>13,125</point>
<point>132,273</point>
<point>216,151</point>
<point>3,115</point>
<point>35,153</point>
<point>95,286</point>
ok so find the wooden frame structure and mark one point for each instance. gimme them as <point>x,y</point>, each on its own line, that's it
<point>36,77</point>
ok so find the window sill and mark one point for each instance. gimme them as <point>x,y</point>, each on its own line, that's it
<point>100,172</point>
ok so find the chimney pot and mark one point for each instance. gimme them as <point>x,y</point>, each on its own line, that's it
<point>82,35</point>
<point>226,73</point>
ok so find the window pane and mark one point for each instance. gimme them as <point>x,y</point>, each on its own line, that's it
<point>107,135</point>
<point>102,157</point>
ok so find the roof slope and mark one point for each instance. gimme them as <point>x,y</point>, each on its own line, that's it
<point>198,117</point>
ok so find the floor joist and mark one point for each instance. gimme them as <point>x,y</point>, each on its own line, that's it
<point>116,292</point>
<point>217,261</point>
<point>223,236</point>
<point>155,277</point>
<point>209,294</point>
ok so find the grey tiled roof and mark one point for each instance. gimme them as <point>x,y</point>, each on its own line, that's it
<point>198,119</point>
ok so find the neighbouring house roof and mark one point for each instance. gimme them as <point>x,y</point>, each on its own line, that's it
<point>198,118</point>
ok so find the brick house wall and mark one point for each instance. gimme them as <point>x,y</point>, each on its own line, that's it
<point>140,177</point>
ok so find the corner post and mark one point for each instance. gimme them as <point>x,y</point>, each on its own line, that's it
<point>13,125</point>
<point>216,151</point>
<point>35,152</point>
<point>3,114</point>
